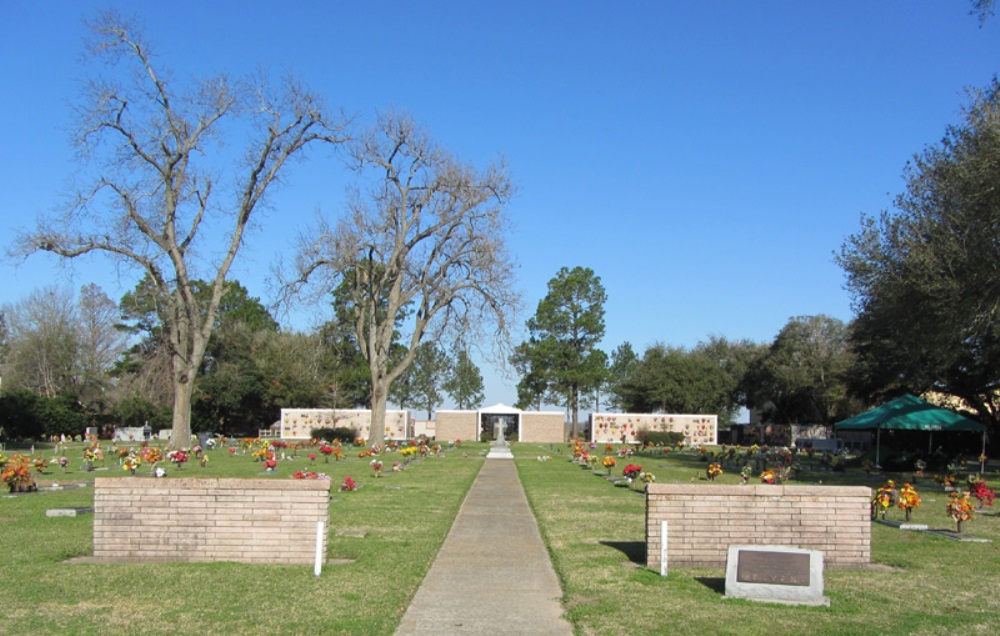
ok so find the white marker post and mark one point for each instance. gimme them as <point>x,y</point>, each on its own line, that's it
<point>663,548</point>
<point>319,548</point>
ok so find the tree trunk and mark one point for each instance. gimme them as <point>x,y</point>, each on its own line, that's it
<point>180,436</point>
<point>575,406</point>
<point>376,429</point>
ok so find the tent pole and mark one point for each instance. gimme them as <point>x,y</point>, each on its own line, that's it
<point>982,456</point>
<point>878,444</point>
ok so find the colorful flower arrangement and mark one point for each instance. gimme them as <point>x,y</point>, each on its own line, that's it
<point>270,465</point>
<point>40,465</point>
<point>16,474</point>
<point>745,473</point>
<point>178,457</point>
<point>884,498</point>
<point>309,475</point>
<point>608,462</point>
<point>632,471</point>
<point>647,478</point>
<point>979,490</point>
<point>376,467</point>
<point>768,477</point>
<point>326,450</point>
<point>63,462</point>
<point>908,500</point>
<point>959,508</point>
<point>714,470</point>
<point>348,484</point>
<point>151,455</point>
<point>131,463</point>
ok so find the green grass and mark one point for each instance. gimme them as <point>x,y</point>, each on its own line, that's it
<point>594,532</point>
<point>405,516</point>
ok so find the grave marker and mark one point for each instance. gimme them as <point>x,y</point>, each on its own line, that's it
<point>775,574</point>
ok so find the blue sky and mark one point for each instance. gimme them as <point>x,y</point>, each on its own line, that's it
<point>706,159</point>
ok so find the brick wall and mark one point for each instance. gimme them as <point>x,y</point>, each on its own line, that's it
<point>453,425</point>
<point>543,427</point>
<point>704,520</point>
<point>242,520</point>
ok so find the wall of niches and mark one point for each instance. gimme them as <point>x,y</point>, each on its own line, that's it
<point>298,423</point>
<point>610,428</point>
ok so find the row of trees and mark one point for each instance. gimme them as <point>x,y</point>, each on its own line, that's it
<point>802,376</point>
<point>70,363</point>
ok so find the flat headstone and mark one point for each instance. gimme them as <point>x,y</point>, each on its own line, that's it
<point>903,525</point>
<point>350,532</point>
<point>775,574</point>
<point>68,512</point>
<point>957,536</point>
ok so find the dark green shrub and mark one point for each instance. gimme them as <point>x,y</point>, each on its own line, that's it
<point>344,434</point>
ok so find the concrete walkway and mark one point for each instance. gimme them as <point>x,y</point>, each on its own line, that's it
<point>493,574</point>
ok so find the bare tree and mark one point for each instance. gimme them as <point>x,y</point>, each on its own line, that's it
<point>422,250</point>
<point>43,343</point>
<point>101,342</point>
<point>164,186</point>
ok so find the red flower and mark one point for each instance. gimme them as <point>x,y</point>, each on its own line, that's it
<point>632,471</point>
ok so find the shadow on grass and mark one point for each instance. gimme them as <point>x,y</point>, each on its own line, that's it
<point>715,584</point>
<point>634,550</point>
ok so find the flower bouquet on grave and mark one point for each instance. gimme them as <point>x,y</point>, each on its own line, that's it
<point>714,470</point>
<point>978,489</point>
<point>178,457</point>
<point>885,498</point>
<point>151,455</point>
<point>132,463</point>
<point>745,474</point>
<point>16,474</point>
<point>203,460</point>
<point>348,484</point>
<point>40,465</point>
<point>768,477</point>
<point>270,465</point>
<point>376,466</point>
<point>326,450</point>
<point>89,457</point>
<point>63,462</point>
<point>908,500</point>
<point>608,462</point>
<point>960,509</point>
<point>647,478</point>
<point>631,471</point>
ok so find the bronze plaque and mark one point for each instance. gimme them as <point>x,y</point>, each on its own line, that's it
<point>773,568</point>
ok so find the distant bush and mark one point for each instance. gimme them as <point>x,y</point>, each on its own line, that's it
<point>344,434</point>
<point>659,438</point>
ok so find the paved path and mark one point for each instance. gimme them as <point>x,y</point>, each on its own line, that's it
<point>492,575</point>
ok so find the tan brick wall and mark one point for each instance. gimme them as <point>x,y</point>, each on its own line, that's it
<point>242,520</point>
<point>453,425</point>
<point>542,427</point>
<point>703,521</point>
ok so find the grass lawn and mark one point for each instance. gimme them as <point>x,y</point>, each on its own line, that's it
<point>405,517</point>
<point>594,532</point>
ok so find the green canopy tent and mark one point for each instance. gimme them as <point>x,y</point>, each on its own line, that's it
<point>909,413</point>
